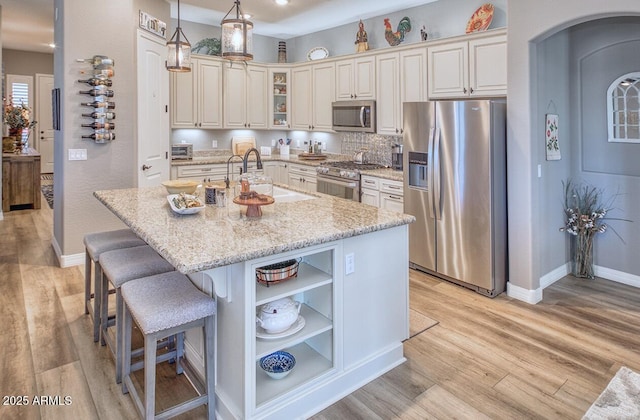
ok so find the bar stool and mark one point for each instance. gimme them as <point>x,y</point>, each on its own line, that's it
<point>119,267</point>
<point>95,244</point>
<point>161,306</point>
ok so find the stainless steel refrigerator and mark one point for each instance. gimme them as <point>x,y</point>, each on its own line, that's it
<point>455,185</point>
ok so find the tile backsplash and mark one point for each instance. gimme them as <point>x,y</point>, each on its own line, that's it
<point>377,147</point>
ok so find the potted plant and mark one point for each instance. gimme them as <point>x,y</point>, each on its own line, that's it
<point>18,118</point>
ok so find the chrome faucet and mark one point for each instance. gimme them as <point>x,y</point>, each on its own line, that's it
<point>245,160</point>
<point>227,182</point>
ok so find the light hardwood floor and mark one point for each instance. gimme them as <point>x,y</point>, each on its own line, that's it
<point>478,358</point>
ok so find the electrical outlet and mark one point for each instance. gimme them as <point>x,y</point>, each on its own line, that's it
<point>324,146</point>
<point>214,144</point>
<point>273,142</point>
<point>349,264</point>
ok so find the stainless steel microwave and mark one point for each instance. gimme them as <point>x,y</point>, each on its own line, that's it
<point>181,151</point>
<point>354,116</point>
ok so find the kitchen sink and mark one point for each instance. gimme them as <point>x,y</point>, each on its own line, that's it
<point>283,195</point>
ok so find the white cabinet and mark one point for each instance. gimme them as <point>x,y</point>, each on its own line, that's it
<point>383,193</point>
<point>279,103</point>
<point>477,67</point>
<point>356,78</point>
<point>312,89</point>
<point>401,78</point>
<point>215,172</point>
<point>303,177</point>
<point>245,96</point>
<point>277,170</point>
<point>196,96</point>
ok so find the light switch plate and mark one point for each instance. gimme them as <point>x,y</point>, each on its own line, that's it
<point>349,264</point>
<point>77,154</point>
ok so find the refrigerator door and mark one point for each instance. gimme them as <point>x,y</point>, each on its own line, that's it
<point>419,118</point>
<point>464,191</point>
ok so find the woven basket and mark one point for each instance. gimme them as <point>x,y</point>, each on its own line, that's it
<point>276,273</point>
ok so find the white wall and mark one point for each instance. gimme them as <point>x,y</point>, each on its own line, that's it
<point>529,23</point>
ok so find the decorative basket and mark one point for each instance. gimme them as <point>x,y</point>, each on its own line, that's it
<point>276,273</point>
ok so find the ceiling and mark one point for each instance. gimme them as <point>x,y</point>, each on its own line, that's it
<point>28,24</point>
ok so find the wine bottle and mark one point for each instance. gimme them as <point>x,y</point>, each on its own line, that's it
<point>108,135</point>
<point>97,81</point>
<point>98,92</point>
<point>101,115</point>
<point>99,104</point>
<point>97,60</point>
<point>97,125</point>
<point>106,72</point>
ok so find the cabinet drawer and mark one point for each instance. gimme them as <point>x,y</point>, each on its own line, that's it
<point>201,171</point>
<point>391,187</point>
<point>309,171</point>
<point>370,182</point>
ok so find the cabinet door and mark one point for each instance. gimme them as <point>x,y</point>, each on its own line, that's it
<point>209,94</point>
<point>365,78</point>
<point>279,105</point>
<point>183,102</point>
<point>388,103</point>
<point>371,197</point>
<point>310,184</point>
<point>413,78</point>
<point>344,80</point>
<point>448,75</point>
<point>391,202</point>
<point>301,93</point>
<point>235,94</point>
<point>488,66</point>
<point>256,100</point>
<point>323,94</point>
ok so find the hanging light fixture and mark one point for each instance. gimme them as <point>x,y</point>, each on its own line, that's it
<point>179,50</point>
<point>237,36</point>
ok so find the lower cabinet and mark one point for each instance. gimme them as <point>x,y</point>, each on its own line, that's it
<point>20,180</point>
<point>303,177</point>
<point>278,171</point>
<point>382,193</point>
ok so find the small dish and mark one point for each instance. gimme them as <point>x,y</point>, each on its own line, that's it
<point>278,365</point>
<point>317,53</point>
<point>297,326</point>
<point>187,210</point>
<point>481,19</point>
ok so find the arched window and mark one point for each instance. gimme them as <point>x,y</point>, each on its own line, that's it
<point>623,109</point>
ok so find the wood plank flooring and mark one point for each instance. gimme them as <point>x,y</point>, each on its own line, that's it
<point>469,357</point>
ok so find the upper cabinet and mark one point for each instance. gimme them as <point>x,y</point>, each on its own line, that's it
<point>279,103</point>
<point>245,96</point>
<point>196,97</point>
<point>474,68</point>
<point>312,88</point>
<point>402,77</point>
<point>356,78</point>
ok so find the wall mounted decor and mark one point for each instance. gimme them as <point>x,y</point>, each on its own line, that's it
<point>100,93</point>
<point>153,25</point>
<point>552,146</point>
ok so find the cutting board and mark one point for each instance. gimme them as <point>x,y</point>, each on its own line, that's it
<point>240,145</point>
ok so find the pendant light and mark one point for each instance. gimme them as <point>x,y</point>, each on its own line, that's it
<point>179,50</point>
<point>237,36</point>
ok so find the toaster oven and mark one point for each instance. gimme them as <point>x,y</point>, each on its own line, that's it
<point>182,151</point>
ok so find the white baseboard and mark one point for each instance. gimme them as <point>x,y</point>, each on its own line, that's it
<point>555,275</point>
<point>617,276</point>
<point>1,215</point>
<point>65,261</point>
<point>525,295</point>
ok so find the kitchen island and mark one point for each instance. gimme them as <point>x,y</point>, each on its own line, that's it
<point>352,283</point>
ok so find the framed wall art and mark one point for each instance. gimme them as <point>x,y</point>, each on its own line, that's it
<point>552,145</point>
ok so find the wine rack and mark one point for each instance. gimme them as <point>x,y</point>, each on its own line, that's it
<point>100,98</point>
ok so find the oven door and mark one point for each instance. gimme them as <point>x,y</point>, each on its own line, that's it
<point>338,187</point>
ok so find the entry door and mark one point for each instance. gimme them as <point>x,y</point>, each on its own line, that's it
<point>43,140</point>
<point>153,111</point>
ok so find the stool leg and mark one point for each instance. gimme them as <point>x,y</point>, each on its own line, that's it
<point>127,325</point>
<point>210,363</point>
<point>119,331</point>
<point>97,300</point>
<point>179,349</point>
<point>150,343</point>
<point>104,304</point>
<point>87,282</point>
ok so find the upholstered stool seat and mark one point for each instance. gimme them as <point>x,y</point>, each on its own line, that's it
<point>95,244</point>
<point>161,306</point>
<point>119,267</point>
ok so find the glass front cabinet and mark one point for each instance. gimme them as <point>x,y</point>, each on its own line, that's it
<point>279,104</point>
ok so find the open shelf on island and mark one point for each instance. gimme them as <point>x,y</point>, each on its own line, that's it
<point>308,277</point>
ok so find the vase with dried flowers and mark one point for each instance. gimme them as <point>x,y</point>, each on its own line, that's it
<point>585,213</point>
<point>18,119</point>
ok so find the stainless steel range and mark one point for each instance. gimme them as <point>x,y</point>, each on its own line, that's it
<point>342,179</point>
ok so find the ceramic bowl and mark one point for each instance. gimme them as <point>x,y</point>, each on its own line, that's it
<point>278,364</point>
<point>177,186</point>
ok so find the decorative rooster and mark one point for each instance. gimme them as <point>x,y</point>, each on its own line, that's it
<point>395,38</point>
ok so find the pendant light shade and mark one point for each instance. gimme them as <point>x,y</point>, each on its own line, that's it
<point>178,50</point>
<point>237,36</point>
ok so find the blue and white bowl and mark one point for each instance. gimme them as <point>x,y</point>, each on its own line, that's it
<point>278,364</point>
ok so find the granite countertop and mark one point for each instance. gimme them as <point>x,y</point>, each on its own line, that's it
<point>219,236</point>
